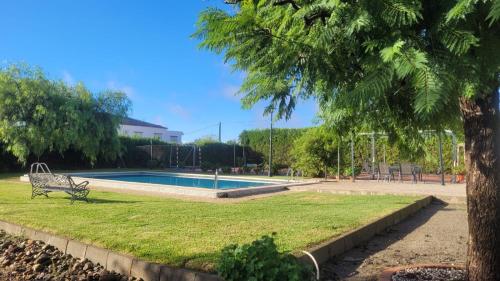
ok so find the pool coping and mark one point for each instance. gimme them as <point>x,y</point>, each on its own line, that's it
<point>150,271</point>
<point>275,185</point>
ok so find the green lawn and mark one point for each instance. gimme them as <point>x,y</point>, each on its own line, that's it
<point>187,233</point>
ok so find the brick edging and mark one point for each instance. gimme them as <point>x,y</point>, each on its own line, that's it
<point>112,261</point>
<point>343,243</point>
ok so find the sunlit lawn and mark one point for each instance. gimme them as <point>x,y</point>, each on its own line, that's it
<point>188,233</point>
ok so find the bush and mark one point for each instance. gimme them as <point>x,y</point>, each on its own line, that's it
<point>314,151</point>
<point>261,261</point>
<point>348,171</point>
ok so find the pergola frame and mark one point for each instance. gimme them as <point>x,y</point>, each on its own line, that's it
<point>373,151</point>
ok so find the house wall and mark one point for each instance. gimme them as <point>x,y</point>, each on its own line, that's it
<point>151,132</point>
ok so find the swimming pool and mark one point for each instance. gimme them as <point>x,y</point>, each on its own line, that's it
<point>168,179</point>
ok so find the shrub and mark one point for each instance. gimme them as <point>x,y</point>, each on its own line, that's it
<point>261,261</point>
<point>348,171</point>
<point>314,151</point>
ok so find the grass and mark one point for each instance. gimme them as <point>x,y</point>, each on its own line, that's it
<point>187,233</point>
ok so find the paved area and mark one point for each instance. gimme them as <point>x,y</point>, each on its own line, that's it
<point>451,193</point>
<point>437,234</point>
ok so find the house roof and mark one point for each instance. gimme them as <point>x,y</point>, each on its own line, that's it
<point>135,122</point>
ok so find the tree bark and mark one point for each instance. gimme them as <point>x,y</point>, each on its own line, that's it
<point>482,149</point>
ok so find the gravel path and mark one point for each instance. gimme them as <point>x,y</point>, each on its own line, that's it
<point>437,234</point>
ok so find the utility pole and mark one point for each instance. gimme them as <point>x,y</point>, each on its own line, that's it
<point>220,129</point>
<point>271,146</point>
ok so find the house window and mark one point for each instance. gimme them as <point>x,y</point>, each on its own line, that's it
<point>174,138</point>
<point>138,134</point>
<point>157,136</point>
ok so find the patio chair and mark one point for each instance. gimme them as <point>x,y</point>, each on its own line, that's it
<point>384,172</point>
<point>407,169</point>
<point>43,181</point>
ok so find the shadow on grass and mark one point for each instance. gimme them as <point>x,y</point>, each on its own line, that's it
<point>338,269</point>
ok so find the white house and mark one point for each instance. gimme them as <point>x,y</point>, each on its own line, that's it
<point>137,128</point>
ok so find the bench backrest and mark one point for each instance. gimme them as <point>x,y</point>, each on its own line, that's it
<point>384,168</point>
<point>406,169</point>
<point>40,176</point>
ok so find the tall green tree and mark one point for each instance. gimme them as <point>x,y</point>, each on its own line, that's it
<point>39,115</point>
<point>407,64</point>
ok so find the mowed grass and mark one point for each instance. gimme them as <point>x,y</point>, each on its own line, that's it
<point>187,233</point>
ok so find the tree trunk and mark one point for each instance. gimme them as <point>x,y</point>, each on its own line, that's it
<point>482,149</point>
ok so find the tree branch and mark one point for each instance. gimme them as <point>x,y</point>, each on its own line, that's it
<point>321,14</point>
<point>284,2</point>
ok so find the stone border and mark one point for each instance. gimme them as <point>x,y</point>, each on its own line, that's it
<point>112,261</point>
<point>356,237</point>
<point>132,266</point>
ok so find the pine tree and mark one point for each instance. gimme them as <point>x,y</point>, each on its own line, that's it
<point>421,64</point>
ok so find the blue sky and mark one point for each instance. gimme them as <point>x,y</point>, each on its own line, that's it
<point>142,48</point>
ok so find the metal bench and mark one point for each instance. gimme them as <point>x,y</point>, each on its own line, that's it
<point>43,181</point>
<point>385,172</point>
<point>408,169</point>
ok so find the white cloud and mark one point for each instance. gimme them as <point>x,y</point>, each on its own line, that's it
<point>68,78</point>
<point>179,110</point>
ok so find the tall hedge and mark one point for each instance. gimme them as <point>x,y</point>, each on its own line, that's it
<point>283,139</point>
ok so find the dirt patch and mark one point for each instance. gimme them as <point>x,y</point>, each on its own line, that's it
<point>437,234</point>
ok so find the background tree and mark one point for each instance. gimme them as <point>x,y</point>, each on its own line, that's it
<point>314,152</point>
<point>416,64</point>
<point>38,115</point>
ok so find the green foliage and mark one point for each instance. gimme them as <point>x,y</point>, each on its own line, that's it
<point>40,116</point>
<point>348,171</point>
<point>206,140</point>
<point>397,66</point>
<point>283,139</point>
<point>260,261</point>
<point>314,151</point>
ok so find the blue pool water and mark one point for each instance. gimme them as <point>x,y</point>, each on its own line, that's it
<point>178,180</point>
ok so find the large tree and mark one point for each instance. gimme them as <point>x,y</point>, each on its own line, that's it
<point>39,115</point>
<point>408,64</point>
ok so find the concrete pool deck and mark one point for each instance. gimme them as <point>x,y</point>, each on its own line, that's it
<point>275,185</point>
<point>451,193</point>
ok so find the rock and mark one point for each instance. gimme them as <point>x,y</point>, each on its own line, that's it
<point>34,260</point>
<point>38,267</point>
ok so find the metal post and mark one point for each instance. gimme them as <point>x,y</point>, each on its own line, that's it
<point>352,159</point>
<point>373,155</point>
<point>384,153</point>
<point>234,155</point>
<point>199,155</point>
<point>338,161</point>
<point>441,164</point>
<point>170,157</point>
<point>220,131</point>
<point>244,157</point>
<point>151,142</point>
<point>177,156</point>
<point>270,174</point>
<point>194,155</point>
